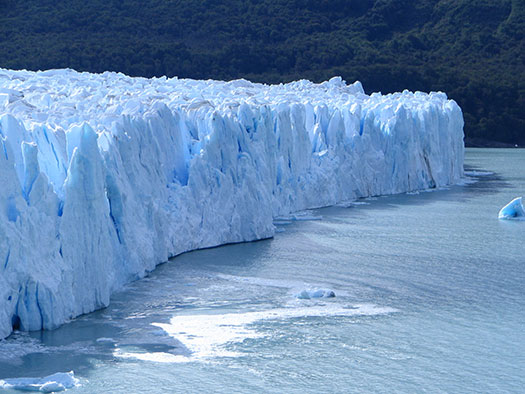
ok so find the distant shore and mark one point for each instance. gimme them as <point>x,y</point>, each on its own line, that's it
<point>482,143</point>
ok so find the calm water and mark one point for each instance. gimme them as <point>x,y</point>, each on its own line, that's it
<point>430,297</point>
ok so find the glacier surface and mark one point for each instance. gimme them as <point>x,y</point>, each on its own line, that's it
<point>103,176</point>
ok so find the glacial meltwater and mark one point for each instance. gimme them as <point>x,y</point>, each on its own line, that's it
<point>429,297</point>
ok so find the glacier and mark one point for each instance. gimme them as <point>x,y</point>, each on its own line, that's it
<point>104,176</point>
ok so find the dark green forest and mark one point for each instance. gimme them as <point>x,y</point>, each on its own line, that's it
<point>474,50</point>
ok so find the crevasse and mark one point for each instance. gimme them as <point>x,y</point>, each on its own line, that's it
<point>104,176</point>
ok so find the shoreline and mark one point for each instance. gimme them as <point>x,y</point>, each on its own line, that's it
<point>482,143</point>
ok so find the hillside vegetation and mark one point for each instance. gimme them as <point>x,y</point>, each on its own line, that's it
<point>472,49</point>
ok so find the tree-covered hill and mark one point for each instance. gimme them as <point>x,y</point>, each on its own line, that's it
<point>472,49</point>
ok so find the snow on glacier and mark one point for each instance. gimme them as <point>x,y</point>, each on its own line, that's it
<point>103,176</point>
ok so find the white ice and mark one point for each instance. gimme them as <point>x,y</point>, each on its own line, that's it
<point>478,173</point>
<point>514,210</point>
<point>317,293</point>
<point>57,382</point>
<point>208,336</point>
<point>104,176</point>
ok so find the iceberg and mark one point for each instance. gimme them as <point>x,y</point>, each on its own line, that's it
<point>104,176</point>
<point>318,293</point>
<point>513,210</point>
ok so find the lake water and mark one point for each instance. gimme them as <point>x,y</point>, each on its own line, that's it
<point>430,297</point>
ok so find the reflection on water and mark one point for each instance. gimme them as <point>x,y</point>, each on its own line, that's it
<point>429,296</point>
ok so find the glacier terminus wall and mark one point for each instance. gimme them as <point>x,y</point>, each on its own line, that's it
<point>104,176</point>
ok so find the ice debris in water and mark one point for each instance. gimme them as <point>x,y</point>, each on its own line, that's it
<point>513,210</point>
<point>478,173</point>
<point>104,176</point>
<point>57,382</point>
<point>319,293</point>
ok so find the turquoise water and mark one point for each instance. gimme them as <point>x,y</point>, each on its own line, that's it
<point>430,297</point>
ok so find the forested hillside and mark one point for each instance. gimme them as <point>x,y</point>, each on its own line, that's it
<point>472,49</point>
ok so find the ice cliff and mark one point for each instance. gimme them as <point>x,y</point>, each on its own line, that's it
<point>103,176</point>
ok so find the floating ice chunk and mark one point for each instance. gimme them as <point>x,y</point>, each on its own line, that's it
<point>513,210</point>
<point>346,204</point>
<point>297,216</point>
<point>158,357</point>
<point>49,384</point>
<point>467,180</point>
<point>319,293</point>
<point>478,173</point>
<point>105,340</point>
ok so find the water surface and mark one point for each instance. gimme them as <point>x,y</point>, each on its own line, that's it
<point>430,296</point>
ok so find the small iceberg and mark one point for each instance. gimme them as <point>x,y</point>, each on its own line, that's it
<point>513,210</point>
<point>105,340</point>
<point>297,217</point>
<point>478,173</point>
<point>319,293</point>
<point>50,384</point>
